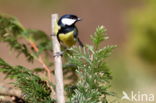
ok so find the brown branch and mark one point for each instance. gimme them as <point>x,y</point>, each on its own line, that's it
<point>41,60</point>
<point>44,65</point>
<point>57,63</point>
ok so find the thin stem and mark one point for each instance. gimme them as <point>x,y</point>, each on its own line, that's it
<point>40,59</point>
<point>43,64</point>
<point>57,63</point>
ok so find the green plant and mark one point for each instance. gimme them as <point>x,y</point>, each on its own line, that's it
<point>94,75</point>
<point>32,86</point>
<point>87,65</point>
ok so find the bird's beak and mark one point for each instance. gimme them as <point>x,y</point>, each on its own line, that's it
<point>79,19</point>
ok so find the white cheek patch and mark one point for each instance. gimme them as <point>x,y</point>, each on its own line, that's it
<point>68,21</point>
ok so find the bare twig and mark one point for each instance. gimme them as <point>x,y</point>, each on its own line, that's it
<point>44,66</point>
<point>57,63</point>
<point>41,60</point>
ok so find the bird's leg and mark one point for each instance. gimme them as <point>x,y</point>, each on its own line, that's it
<point>57,54</point>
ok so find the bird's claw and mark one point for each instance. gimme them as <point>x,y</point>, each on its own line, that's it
<point>57,54</point>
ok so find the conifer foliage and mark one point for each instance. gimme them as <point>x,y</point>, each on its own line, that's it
<point>35,90</point>
<point>93,75</point>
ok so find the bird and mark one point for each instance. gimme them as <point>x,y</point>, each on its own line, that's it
<point>66,31</point>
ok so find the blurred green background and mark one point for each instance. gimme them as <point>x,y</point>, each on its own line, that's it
<point>130,24</point>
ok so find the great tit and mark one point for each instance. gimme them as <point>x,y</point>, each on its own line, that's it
<point>67,32</point>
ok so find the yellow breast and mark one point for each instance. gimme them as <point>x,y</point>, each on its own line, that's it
<point>68,39</point>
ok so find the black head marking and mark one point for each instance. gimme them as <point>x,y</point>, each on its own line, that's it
<point>68,16</point>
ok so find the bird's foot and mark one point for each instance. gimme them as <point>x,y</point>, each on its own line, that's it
<point>57,54</point>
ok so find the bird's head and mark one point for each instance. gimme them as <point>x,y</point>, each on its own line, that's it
<point>68,20</point>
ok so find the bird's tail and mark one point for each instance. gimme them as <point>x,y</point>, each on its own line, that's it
<point>80,43</point>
